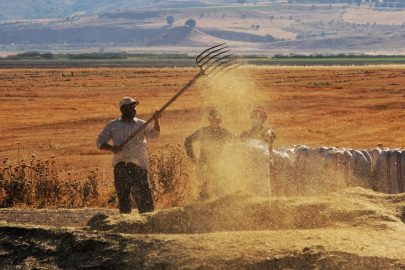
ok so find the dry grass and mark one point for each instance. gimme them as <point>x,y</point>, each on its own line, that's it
<point>50,114</point>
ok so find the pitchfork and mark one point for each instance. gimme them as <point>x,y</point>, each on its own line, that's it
<point>212,61</point>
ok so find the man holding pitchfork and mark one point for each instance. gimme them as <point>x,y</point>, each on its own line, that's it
<point>130,161</point>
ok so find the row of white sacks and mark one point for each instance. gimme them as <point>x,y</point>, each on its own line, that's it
<point>304,171</point>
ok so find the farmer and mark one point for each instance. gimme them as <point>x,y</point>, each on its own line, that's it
<point>259,141</point>
<point>213,139</point>
<point>130,163</point>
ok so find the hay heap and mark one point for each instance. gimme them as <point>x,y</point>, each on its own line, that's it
<point>351,207</point>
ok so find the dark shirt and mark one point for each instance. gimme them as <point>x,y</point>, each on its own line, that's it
<point>213,141</point>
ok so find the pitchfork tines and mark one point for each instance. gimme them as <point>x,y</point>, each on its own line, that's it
<point>211,61</point>
<point>216,59</point>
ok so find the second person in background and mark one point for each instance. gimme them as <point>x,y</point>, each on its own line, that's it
<point>213,140</point>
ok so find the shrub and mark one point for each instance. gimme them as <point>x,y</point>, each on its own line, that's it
<point>191,23</point>
<point>37,184</point>
<point>169,176</point>
<point>170,20</point>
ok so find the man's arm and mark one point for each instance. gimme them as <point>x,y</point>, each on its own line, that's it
<point>153,131</point>
<point>112,148</point>
<point>103,139</point>
<point>269,135</point>
<point>188,145</point>
<point>156,117</point>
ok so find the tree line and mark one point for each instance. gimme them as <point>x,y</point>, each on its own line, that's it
<point>95,56</point>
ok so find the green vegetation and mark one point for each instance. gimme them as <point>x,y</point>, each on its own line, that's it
<point>191,23</point>
<point>31,55</point>
<point>103,55</point>
<point>170,20</point>
<point>95,56</point>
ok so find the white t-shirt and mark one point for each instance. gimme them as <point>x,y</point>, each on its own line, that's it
<point>135,150</point>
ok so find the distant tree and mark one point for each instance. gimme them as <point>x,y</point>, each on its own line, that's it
<point>191,23</point>
<point>313,7</point>
<point>323,34</point>
<point>243,16</point>
<point>241,1</point>
<point>290,18</point>
<point>48,56</point>
<point>271,17</point>
<point>257,27</point>
<point>270,38</point>
<point>170,20</point>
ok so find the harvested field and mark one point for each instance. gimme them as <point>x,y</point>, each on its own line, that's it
<point>60,112</point>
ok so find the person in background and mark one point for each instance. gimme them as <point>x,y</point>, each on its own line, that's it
<point>213,140</point>
<point>259,140</point>
<point>131,161</point>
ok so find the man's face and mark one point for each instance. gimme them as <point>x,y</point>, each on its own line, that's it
<point>129,110</point>
<point>215,122</point>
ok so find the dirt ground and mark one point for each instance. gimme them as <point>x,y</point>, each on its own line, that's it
<point>350,229</point>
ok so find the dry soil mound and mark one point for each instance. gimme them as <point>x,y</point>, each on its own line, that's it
<point>243,212</point>
<point>351,229</point>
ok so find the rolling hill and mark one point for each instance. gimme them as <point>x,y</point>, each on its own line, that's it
<point>265,28</point>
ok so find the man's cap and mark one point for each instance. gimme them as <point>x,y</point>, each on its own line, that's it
<point>215,114</point>
<point>259,112</point>
<point>128,100</point>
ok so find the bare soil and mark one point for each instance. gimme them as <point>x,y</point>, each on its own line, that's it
<point>53,217</point>
<point>350,229</point>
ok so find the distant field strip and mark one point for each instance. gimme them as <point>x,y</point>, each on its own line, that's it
<point>234,8</point>
<point>348,59</point>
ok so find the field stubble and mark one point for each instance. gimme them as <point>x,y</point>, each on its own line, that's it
<point>59,112</point>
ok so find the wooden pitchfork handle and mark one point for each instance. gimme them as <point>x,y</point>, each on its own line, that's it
<point>208,61</point>
<point>161,109</point>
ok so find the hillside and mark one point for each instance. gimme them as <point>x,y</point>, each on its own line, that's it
<point>48,9</point>
<point>262,29</point>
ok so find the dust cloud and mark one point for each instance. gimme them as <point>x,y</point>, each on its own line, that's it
<point>235,94</point>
